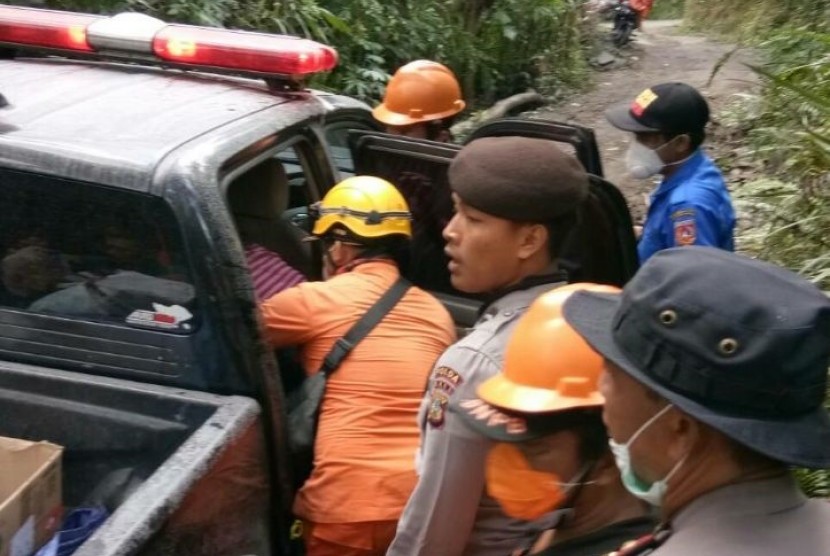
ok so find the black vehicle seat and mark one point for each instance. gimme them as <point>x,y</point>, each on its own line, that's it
<point>257,200</point>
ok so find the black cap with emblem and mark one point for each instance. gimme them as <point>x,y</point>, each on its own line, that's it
<point>737,343</point>
<point>667,108</point>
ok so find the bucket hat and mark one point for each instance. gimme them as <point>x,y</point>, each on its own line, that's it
<point>738,344</point>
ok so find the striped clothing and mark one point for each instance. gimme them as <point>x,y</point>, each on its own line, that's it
<point>269,272</point>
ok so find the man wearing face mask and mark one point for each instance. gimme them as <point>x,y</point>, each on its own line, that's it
<point>715,374</point>
<point>516,201</point>
<point>691,206</point>
<point>367,434</point>
<point>551,464</point>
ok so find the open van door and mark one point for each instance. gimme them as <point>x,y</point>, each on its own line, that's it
<point>602,249</point>
<point>581,140</point>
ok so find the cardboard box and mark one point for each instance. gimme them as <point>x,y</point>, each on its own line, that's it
<point>30,495</point>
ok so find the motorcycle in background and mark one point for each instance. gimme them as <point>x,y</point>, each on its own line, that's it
<point>625,21</point>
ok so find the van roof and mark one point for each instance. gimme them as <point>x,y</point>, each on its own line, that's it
<point>80,119</point>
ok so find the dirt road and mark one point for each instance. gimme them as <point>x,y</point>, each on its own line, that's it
<point>662,53</point>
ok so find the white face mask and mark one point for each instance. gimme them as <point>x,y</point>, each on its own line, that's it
<point>642,162</point>
<point>656,491</point>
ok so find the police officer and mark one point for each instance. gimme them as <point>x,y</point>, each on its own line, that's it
<point>421,101</point>
<point>691,206</point>
<point>551,463</point>
<point>516,200</point>
<point>715,374</point>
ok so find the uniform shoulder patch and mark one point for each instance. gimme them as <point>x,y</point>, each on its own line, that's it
<point>685,228</point>
<point>443,384</point>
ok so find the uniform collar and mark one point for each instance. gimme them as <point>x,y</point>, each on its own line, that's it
<point>522,294</point>
<point>686,170</point>
<point>365,266</point>
<point>761,497</point>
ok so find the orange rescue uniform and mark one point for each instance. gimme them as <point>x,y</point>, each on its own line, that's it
<point>368,433</point>
<point>642,7</point>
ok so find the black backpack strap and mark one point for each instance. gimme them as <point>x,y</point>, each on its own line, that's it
<point>364,325</point>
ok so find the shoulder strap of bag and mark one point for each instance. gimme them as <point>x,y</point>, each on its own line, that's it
<point>364,325</point>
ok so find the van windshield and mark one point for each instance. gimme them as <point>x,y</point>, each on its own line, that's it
<point>85,251</point>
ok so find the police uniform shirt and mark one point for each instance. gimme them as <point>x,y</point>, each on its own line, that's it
<point>450,513</point>
<point>691,207</point>
<point>771,517</point>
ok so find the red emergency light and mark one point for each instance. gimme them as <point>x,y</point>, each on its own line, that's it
<point>144,38</point>
<point>45,28</point>
<point>257,52</point>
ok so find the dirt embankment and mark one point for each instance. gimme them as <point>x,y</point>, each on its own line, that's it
<point>661,53</point>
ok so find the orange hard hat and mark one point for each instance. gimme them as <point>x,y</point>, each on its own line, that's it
<point>547,365</point>
<point>420,91</point>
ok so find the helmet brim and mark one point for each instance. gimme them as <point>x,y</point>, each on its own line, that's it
<point>503,393</point>
<point>387,117</point>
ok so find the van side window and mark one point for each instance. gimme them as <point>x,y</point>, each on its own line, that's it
<point>84,251</point>
<point>264,200</point>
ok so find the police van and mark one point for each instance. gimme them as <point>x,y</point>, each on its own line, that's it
<point>120,139</point>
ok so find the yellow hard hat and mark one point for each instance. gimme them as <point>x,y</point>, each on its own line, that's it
<point>420,91</point>
<point>547,365</point>
<point>367,206</point>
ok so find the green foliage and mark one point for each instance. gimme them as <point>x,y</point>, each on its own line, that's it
<point>792,137</point>
<point>497,47</point>
<point>789,212</point>
<point>667,9</point>
<point>753,19</point>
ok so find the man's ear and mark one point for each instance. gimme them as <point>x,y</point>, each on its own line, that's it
<point>685,434</point>
<point>683,145</point>
<point>533,238</point>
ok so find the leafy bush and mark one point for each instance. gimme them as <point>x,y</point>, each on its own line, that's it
<point>752,19</point>
<point>792,137</point>
<point>497,47</point>
<point>667,9</point>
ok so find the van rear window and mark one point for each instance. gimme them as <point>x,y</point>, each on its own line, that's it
<point>90,252</point>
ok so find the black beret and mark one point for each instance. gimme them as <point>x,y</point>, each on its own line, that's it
<point>518,178</point>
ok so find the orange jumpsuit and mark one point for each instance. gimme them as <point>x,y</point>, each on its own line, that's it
<point>368,433</point>
<point>643,9</point>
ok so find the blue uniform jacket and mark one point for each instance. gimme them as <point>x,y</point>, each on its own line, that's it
<point>692,207</point>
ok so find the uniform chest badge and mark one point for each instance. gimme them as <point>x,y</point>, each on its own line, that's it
<point>437,411</point>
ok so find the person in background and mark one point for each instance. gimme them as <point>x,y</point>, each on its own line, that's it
<point>551,464</point>
<point>516,202</point>
<point>421,101</point>
<point>257,199</point>
<point>691,206</point>
<point>364,454</point>
<point>31,272</point>
<point>643,9</point>
<point>714,382</point>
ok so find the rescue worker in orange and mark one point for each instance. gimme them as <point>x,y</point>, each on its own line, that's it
<point>643,9</point>
<point>421,101</point>
<point>551,464</point>
<point>367,437</point>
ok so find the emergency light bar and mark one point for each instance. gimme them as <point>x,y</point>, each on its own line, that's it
<point>45,28</point>
<point>146,38</point>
